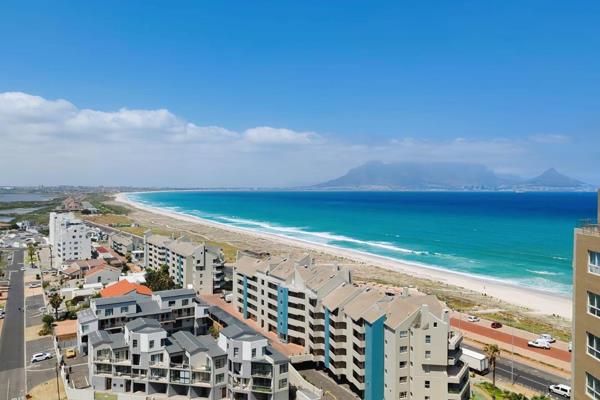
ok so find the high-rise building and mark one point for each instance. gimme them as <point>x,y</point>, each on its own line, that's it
<point>387,346</point>
<point>190,264</point>
<point>69,238</point>
<point>586,310</point>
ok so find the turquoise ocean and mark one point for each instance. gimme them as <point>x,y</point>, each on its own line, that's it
<point>525,239</point>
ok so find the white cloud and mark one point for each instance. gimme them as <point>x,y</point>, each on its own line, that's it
<point>550,138</point>
<point>268,135</point>
<point>55,142</point>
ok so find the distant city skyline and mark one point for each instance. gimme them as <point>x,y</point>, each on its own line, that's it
<point>217,95</point>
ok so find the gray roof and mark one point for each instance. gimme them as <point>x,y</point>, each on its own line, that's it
<point>145,325</point>
<point>115,340</point>
<point>114,300</point>
<point>276,356</point>
<point>211,344</point>
<point>175,292</point>
<point>149,307</point>
<point>188,342</point>
<point>85,316</point>
<point>241,331</point>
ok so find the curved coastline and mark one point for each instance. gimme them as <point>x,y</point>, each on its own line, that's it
<point>540,301</point>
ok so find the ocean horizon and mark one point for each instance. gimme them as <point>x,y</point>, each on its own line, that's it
<point>523,239</point>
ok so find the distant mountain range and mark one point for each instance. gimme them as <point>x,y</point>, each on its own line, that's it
<point>446,176</point>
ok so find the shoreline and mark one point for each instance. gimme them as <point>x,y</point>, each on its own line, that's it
<point>537,301</point>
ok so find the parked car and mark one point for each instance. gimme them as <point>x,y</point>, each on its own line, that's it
<point>22,268</point>
<point>496,325</point>
<point>562,390</point>
<point>570,347</point>
<point>539,343</point>
<point>548,338</point>
<point>70,353</point>
<point>473,318</point>
<point>40,357</point>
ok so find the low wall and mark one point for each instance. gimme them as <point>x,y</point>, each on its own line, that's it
<point>299,382</point>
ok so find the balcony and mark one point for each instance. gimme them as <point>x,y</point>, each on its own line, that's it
<point>589,227</point>
<point>103,360</point>
<point>179,366</point>
<point>454,340</point>
<point>261,389</point>
<point>457,372</point>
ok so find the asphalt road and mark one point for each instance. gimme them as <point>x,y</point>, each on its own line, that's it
<point>524,375</point>
<point>12,351</point>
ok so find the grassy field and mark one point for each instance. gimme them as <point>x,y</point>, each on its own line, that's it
<point>99,200</point>
<point>530,324</point>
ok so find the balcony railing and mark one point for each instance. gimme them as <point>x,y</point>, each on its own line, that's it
<point>589,227</point>
<point>179,365</point>
<point>262,389</point>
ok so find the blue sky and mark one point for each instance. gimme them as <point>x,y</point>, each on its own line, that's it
<point>513,84</point>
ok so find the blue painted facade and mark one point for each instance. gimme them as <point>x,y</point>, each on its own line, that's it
<point>282,312</point>
<point>374,359</point>
<point>245,297</point>
<point>326,338</point>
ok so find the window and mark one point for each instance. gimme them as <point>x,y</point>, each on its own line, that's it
<point>100,280</point>
<point>427,384</point>
<point>171,303</point>
<point>403,333</point>
<point>594,262</point>
<point>402,364</point>
<point>403,349</point>
<point>435,324</point>
<point>134,343</point>
<point>402,395</point>
<point>152,344</point>
<point>427,355</point>
<point>402,379</point>
<point>219,362</point>
<point>427,339</point>
<point>282,383</point>
<point>593,386</point>
<point>185,302</point>
<point>220,378</point>
<point>594,304</point>
<point>283,368</point>
<point>108,312</point>
<point>593,346</point>
<point>253,353</point>
<point>124,309</point>
<point>236,351</point>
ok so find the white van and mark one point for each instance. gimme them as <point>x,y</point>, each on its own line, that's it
<point>561,389</point>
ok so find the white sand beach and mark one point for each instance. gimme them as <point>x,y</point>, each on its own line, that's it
<point>539,302</point>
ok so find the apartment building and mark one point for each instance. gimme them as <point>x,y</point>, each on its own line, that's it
<point>385,346</point>
<point>586,310</point>
<point>190,264</point>
<point>144,359</point>
<point>68,238</point>
<point>175,310</point>
<point>122,244</point>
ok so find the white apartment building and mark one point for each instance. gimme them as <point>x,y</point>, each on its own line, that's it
<point>68,238</point>
<point>386,346</point>
<point>145,359</point>
<point>190,265</point>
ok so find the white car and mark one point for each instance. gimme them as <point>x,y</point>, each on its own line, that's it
<point>473,318</point>
<point>40,357</point>
<point>22,268</point>
<point>548,338</point>
<point>561,389</point>
<point>35,285</point>
<point>539,343</point>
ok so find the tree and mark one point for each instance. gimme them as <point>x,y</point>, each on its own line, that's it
<point>159,279</point>
<point>55,302</point>
<point>31,253</point>
<point>492,351</point>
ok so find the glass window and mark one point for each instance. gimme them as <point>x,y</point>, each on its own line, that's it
<point>283,368</point>
<point>594,304</point>
<point>403,333</point>
<point>152,344</point>
<point>403,349</point>
<point>427,338</point>
<point>594,262</point>
<point>124,309</point>
<point>427,355</point>
<point>282,383</point>
<point>134,343</point>
<point>236,351</point>
<point>185,302</point>
<point>220,378</point>
<point>593,346</point>
<point>427,384</point>
<point>108,312</point>
<point>253,353</point>
<point>593,386</point>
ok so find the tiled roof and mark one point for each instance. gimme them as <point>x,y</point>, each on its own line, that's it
<point>124,287</point>
<point>100,268</point>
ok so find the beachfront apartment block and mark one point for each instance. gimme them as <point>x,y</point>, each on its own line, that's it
<point>68,237</point>
<point>586,310</point>
<point>386,346</point>
<point>175,310</point>
<point>122,244</point>
<point>190,264</point>
<point>145,359</point>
